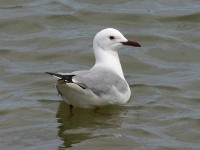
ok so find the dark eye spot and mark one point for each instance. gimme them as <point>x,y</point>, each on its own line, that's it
<point>112,37</point>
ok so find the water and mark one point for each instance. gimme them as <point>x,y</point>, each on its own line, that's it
<point>48,35</point>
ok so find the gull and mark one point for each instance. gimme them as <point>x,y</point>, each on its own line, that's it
<point>103,84</point>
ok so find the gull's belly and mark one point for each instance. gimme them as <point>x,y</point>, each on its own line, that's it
<point>85,98</point>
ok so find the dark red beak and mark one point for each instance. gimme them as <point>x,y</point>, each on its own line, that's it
<point>131,43</point>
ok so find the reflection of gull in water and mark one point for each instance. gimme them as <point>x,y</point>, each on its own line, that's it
<point>104,83</point>
<point>87,125</point>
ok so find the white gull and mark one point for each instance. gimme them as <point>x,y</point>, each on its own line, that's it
<point>104,84</point>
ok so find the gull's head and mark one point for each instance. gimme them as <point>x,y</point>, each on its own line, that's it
<point>111,39</point>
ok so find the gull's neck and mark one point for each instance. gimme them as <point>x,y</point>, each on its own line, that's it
<point>108,59</point>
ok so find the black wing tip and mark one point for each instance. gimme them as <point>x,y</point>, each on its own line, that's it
<point>67,78</point>
<point>55,74</point>
<point>50,73</point>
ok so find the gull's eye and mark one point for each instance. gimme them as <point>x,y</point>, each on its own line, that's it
<point>111,37</point>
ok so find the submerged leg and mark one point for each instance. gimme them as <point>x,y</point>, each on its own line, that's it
<point>71,114</point>
<point>96,109</point>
